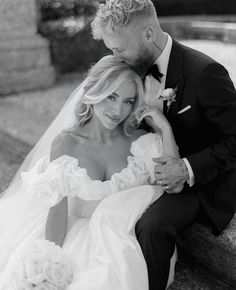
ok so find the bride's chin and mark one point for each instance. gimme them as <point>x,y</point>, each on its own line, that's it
<point>110,127</point>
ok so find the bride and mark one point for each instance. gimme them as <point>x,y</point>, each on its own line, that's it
<point>89,179</point>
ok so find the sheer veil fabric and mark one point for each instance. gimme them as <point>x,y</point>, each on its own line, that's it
<point>64,120</point>
<point>15,216</point>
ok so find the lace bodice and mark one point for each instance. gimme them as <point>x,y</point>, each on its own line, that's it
<point>51,181</point>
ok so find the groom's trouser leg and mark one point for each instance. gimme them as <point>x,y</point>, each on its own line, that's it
<point>157,230</point>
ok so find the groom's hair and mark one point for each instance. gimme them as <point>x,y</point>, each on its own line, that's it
<point>115,14</point>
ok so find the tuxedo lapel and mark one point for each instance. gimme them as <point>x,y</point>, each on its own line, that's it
<point>175,77</point>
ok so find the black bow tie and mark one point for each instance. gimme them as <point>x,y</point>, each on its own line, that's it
<point>154,71</point>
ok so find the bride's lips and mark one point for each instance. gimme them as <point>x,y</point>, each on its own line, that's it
<point>113,119</point>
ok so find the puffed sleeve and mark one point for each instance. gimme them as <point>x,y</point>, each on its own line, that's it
<point>49,181</point>
<point>136,173</point>
<point>147,147</point>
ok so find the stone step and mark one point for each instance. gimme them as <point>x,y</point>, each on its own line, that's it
<point>217,254</point>
<point>25,64</point>
<point>15,81</point>
<point>22,41</point>
<point>191,276</point>
<point>21,54</point>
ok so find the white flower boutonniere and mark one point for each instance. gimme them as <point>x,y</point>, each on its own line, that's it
<point>168,95</point>
<point>154,95</point>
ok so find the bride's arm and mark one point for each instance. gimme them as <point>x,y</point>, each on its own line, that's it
<point>159,124</point>
<point>56,224</point>
<point>157,121</point>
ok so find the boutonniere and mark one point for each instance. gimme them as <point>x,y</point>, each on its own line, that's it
<point>154,96</point>
<point>168,95</point>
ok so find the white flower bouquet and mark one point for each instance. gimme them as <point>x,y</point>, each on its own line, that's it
<point>42,266</point>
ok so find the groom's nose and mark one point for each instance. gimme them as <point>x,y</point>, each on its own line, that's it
<point>117,54</point>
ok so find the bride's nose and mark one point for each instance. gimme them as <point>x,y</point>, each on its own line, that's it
<point>117,108</point>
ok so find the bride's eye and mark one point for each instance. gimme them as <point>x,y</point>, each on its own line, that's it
<point>111,97</point>
<point>129,102</point>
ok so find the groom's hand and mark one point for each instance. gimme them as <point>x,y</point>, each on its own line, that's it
<point>171,173</point>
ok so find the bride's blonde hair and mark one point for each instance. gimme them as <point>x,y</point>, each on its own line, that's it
<point>102,80</point>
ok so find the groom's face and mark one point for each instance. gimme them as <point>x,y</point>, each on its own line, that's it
<point>130,47</point>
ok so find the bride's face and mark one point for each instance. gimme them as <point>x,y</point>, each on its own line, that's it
<point>116,107</point>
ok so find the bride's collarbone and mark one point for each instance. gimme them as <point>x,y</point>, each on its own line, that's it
<point>102,165</point>
<point>100,160</point>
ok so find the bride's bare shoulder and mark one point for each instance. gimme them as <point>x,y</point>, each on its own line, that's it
<point>63,144</point>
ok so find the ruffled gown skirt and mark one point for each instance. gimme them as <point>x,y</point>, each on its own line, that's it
<point>102,248</point>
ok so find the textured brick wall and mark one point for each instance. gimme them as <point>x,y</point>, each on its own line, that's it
<point>24,54</point>
<point>17,16</point>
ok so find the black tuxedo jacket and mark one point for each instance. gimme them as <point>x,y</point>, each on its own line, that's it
<point>206,133</point>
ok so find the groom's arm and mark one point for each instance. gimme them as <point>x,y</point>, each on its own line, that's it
<point>217,98</point>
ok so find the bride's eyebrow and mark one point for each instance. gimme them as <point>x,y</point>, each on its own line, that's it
<point>129,98</point>
<point>114,94</point>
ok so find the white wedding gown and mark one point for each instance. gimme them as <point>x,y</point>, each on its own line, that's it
<point>100,239</point>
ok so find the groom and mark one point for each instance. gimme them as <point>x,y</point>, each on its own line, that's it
<point>203,119</point>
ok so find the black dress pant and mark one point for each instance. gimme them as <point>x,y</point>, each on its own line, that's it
<point>157,230</point>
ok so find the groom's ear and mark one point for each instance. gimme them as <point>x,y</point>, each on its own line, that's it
<point>148,33</point>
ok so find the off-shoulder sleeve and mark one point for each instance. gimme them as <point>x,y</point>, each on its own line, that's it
<point>49,181</point>
<point>136,173</point>
<point>147,147</point>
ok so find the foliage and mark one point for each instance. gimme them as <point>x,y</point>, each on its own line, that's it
<point>72,45</point>
<point>57,9</point>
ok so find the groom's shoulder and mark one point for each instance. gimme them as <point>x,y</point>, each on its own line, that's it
<point>196,63</point>
<point>193,57</point>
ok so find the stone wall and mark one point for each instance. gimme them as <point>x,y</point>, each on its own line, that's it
<point>24,54</point>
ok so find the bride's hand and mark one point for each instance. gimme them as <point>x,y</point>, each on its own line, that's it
<point>155,119</point>
<point>151,92</point>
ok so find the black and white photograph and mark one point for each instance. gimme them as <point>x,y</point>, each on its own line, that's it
<point>117,145</point>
